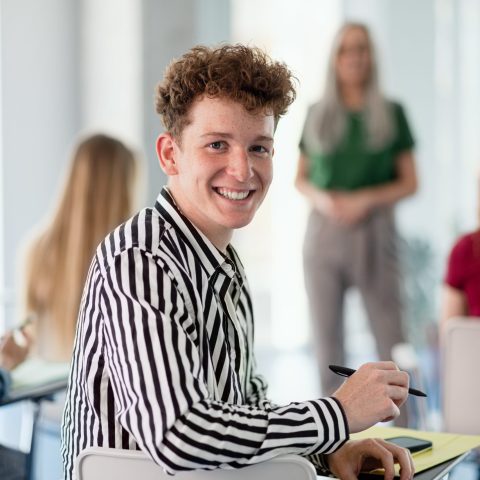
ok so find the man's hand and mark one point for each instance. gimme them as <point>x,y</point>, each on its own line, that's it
<point>373,394</point>
<point>365,455</point>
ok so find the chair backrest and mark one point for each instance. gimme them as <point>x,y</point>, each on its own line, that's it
<point>97,463</point>
<point>461,378</point>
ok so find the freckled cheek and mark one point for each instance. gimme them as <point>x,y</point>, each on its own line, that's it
<point>263,185</point>
<point>268,174</point>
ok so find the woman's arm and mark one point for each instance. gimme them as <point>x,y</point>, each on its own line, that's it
<point>353,207</point>
<point>453,304</point>
<point>320,199</point>
<point>350,208</point>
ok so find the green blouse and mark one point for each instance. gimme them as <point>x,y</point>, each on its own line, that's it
<point>352,165</point>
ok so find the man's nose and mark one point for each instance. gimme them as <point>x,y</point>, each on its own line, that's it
<point>240,166</point>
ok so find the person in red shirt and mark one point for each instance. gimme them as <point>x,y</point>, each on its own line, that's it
<point>461,292</point>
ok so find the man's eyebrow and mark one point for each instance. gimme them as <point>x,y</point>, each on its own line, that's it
<point>260,138</point>
<point>264,138</point>
<point>217,134</point>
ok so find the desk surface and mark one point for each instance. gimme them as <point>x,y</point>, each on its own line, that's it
<point>468,468</point>
<point>34,392</point>
<point>36,379</point>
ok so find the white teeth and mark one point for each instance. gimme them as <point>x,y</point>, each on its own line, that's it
<point>231,195</point>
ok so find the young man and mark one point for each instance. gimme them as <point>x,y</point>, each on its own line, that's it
<point>163,359</point>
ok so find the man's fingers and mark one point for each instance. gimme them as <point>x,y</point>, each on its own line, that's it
<point>347,475</point>
<point>403,457</point>
<point>397,393</point>
<point>384,365</point>
<point>378,450</point>
<point>373,394</point>
<point>364,455</point>
<point>397,377</point>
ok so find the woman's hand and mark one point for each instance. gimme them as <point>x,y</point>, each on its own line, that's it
<point>365,455</point>
<point>11,352</point>
<point>348,208</point>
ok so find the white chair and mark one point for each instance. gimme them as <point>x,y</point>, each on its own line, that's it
<point>97,463</point>
<point>461,378</point>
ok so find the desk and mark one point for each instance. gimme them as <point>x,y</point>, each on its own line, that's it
<point>35,392</point>
<point>36,379</point>
<point>468,468</point>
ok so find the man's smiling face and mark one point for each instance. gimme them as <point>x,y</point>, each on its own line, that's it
<point>221,168</point>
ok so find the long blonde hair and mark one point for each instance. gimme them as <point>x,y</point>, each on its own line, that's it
<point>328,124</point>
<point>97,196</point>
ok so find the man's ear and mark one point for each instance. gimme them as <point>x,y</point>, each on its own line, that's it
<point>166,154</point>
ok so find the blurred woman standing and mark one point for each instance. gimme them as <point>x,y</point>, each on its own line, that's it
<point>355,164</point>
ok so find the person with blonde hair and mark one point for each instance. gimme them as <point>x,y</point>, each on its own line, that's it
<point>96,197</point>
<point>355,164</point>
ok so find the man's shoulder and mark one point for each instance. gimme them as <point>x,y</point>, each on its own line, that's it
<point>144,231</point>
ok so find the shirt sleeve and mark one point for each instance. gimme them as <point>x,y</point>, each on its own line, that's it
<point>161,398</point>
<point>320,462</point>
<point>404,138</point>
<point>258,392</point>
<point>457,265</point>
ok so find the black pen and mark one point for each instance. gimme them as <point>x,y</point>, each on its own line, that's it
<point>346,372</point>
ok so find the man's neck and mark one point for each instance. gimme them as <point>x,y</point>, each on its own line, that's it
<point>220,237</point>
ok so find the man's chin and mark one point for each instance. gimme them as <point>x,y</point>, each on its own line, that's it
<point>235,224</point>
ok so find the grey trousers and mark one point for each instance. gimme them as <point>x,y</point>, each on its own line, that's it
<point>337,258</point>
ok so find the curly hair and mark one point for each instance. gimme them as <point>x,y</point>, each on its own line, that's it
<point>243,74</point>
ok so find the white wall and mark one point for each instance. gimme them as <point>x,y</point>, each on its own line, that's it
<point>39,85</point>
<point>111,68</point>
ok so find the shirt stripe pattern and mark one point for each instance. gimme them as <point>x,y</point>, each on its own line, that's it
<point>163,358</point>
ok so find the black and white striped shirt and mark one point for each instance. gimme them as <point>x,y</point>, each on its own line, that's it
<point>163,358</point>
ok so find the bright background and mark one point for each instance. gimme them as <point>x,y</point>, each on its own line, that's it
<point>70,66</point>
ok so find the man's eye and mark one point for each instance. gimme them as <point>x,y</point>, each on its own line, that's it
<point>216,145</point>
<point>259,149</point>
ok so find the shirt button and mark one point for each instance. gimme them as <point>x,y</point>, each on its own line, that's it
<point>228,268</point>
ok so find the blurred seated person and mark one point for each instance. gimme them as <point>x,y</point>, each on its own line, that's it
<point>461,290</point>
<point>97,196</point>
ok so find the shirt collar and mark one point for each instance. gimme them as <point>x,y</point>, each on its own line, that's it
<point>211,258</point>
<point>238,266</point>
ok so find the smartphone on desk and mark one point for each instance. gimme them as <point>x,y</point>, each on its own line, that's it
<point>415,445</point>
